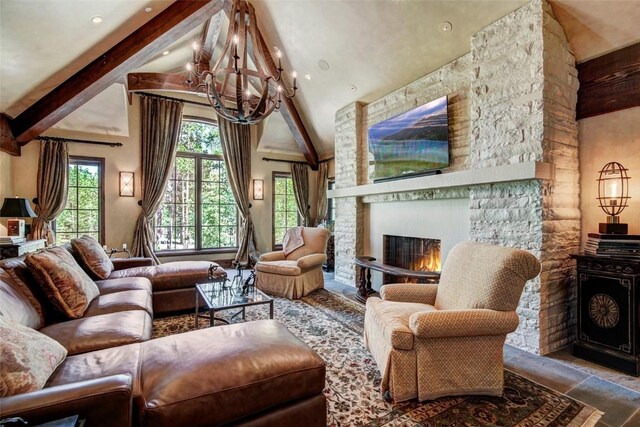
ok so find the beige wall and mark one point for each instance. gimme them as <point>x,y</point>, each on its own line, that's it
<point>6,185</point>
<point>608,138</point>
<point>121,212</point>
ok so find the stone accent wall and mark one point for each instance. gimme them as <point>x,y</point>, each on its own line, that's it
<point>350,170</point>
<point>512,100</point>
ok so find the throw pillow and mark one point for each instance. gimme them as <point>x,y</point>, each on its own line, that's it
<point>28,358</point>
<point>292,240</point>
<point>66,285</point>
<point>92,257</point>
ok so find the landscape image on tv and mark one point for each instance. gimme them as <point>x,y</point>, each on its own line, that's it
<point>412,143</point>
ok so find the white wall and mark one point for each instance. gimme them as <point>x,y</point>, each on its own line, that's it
<point>444,219</point>
<point>613,137</point>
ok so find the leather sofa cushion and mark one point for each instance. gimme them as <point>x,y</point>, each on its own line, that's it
<point>392,320</point>
<point>283,268</point>
<point>26,284</point>
<point>92,257</point>
<point>14,304</point>
<point>172,275</point>
<point>250,367</point>
<point>65,283</point>
<point>98,364</point>
<point>121,301</point>
<point>110,286</point>
<point>28,358</point>
<point>104,331</point>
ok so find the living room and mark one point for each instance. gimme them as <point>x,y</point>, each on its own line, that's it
<point>528,134</point>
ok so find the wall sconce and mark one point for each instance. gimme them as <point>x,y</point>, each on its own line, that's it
<point>127,184</point>
<point>258,189</point>
<point>613,193</point>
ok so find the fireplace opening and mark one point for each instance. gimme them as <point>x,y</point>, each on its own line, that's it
<point>412,253</point>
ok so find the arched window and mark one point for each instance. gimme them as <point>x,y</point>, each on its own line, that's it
<point>198,211</point>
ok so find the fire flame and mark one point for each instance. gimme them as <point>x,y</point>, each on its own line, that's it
<point>428,262</point>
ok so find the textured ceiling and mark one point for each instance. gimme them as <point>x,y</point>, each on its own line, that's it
<point>376,46</point>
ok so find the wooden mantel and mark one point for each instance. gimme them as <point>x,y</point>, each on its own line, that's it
<point>505,173</point>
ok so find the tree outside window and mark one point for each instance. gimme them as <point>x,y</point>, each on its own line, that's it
<point>285,211</point>
<point>84,211</point>
<point>198,210</point>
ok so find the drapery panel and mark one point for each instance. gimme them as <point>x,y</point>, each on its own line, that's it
<point>300,177</point>
<point>160,129</point>
<point>52,187</point>
<point>236,150</point>
<point>322,183</point>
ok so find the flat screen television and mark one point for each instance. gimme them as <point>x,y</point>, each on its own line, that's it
<point>410,144</point>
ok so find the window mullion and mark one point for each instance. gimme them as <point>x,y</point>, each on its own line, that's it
<point>198,202</point>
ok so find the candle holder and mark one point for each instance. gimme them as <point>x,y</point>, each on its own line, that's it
<point>613,194</point>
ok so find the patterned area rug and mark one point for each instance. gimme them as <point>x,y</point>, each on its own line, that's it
<point>332,325</point>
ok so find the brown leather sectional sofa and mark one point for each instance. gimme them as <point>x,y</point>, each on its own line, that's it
<point>253,374</point>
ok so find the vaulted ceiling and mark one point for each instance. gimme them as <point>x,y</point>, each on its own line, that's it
<point>371,48</point>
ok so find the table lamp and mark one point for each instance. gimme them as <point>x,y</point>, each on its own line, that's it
<point>16,208</point>
<point>613,194</point>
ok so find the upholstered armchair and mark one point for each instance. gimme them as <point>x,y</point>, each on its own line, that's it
<point>297,273</point>
<point>433,340</point>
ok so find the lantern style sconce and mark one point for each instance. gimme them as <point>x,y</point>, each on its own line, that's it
<point>127,184</point>
<point>258,189</point>
<point>613,194</point>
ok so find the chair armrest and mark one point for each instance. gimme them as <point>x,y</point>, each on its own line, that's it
<point>462,323</point>
<point>309,261</point>
<point>103,401</point>
<point>410,292</point>
<point>123,263</point>
<point>272,256</point>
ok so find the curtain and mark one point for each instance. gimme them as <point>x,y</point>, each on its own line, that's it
<point>322,205</point>
<point>53,185</point>
<point>301,191</point>
<point>160,128</point>
<point>236,150</point>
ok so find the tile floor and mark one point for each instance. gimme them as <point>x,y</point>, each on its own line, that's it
<point>614,393</point>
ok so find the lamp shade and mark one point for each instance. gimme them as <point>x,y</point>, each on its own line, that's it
<point>16,207</point>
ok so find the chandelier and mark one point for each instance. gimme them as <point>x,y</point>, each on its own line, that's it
<point>237,92</point>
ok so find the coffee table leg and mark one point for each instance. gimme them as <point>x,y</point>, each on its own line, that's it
<point>212,319</point>
<point>271,309</point>
<point>197,303</point>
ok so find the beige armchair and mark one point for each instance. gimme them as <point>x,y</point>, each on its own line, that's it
<point>298,273</point>
<point>446,339</point>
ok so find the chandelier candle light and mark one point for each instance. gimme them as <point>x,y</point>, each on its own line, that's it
<point>236,92</point>
<point>613,194</point>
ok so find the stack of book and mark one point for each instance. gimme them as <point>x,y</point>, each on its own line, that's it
<point>11,240</point>
<point>614,245</point>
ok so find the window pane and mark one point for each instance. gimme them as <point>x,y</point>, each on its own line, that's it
<point>82,212</point>
<point>285,213</point>
<point>208,217</point>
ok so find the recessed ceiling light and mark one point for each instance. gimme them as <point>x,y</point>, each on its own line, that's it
<point>148,9</point>
<point>324,65</point>
<point>445,27</point>
<point>353,88</point>
<point>96,19</point>
<point>307,76</point>
<point>165,53</point>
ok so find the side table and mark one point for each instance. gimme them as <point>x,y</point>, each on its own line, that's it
<point>19,249</point>
<point>608,306</point>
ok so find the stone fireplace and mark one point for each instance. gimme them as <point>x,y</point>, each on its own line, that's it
<point>412,253</point>
<point>511,115</point>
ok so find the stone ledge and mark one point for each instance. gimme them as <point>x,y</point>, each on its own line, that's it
<point>491,175</point>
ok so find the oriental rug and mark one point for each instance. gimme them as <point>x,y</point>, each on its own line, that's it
<point>333,326</point>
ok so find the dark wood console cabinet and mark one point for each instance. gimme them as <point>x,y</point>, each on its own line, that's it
<point>608,312</point>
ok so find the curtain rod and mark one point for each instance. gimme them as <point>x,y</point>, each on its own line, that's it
<point>186,101</point>
<point>78,141</point>
<point>269,159</point>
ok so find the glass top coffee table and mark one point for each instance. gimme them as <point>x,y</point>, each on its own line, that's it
<point>218,297</point>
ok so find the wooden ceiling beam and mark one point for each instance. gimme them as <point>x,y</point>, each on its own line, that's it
<point>609,82</point>
<point>132,52</point>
